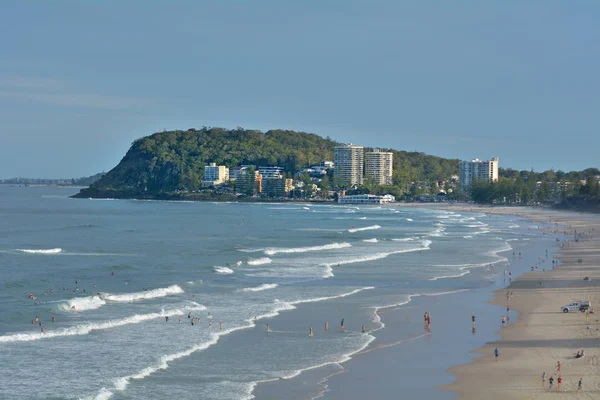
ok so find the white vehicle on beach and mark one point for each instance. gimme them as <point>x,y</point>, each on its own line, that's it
<point>576,306</point>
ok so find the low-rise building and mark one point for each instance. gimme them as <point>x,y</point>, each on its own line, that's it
<point>215,174</point>
<point>366,199</point>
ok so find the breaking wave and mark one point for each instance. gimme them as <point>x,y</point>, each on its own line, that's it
<point>330,246</point>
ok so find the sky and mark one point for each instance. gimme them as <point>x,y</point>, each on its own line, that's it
<point>81,80</point>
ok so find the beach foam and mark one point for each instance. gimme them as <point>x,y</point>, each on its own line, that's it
<point>40,251</point>
<point>222,270</point>
<point>84,329</point>
<point>82,304</point>
<point>330,246</point>
<point>149,294</point>
<point>260,261</point>
<point>374,240</point>
<point>265,286</point>
<point>120,384</point>
<point>373,257</point>
<point>366,228</point>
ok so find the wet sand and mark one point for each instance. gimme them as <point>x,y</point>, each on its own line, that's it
<point>407,361</point>
<point>543,334</point>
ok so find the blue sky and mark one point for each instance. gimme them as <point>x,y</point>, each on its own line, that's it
<point>80,80</point>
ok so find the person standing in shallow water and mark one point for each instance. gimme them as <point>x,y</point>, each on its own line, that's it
<point>326,326</point>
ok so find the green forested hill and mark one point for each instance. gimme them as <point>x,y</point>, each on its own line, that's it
<point>169,161</point>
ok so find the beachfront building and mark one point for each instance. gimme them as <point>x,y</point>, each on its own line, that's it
<point>249,182</point>
<point>348,161</point>
<point>277,187</point>
<point>366,199</point>
<point>215,174</point>
<point>477,170</point>
<point>271,172</point>
<point>378,166</point>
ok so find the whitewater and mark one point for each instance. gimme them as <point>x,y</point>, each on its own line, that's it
<point>233,269</point>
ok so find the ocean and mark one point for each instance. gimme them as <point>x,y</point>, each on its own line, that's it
<point>111,272</point>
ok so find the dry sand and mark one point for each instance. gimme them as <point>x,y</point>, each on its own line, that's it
<point>543,334</point>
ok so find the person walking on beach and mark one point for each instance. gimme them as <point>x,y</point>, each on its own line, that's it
<point>543,378</point>
<point>496,353</point>
<point>579,384</point>
<point>558,367</point>
<point>473,322</point>
<point>559,381</point>
<point>550,382</point>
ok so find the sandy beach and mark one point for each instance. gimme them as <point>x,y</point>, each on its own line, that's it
<point>543,334</point>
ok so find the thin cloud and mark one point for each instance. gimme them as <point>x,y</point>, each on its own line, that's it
<point>52,92</point>
<point>22,82</point>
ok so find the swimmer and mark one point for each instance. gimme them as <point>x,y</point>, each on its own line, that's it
<point>326,326</point>
<point>112,273</point>
<point>94,285</point>
<point>209,324</point>
<point>268,328</point>
<point>220,326</point>
<point>190,314</point>
<point>364,329</point>
<point>342,325</point>
<point>42,330</point>
<point>180,319</point>
<point>53,319</point>
<point>36,319</point>
<point>73,308</point>
<point>167,318</point>
<point>310,332</point>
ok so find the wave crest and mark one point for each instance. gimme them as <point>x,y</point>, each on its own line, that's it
<point>330,246</point>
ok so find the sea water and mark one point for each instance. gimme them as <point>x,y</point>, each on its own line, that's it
<point>112,271</point>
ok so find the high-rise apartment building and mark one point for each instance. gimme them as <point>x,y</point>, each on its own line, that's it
<point>378,167</point>
<point>348,164</point>
<point>215,174</point>
<point>477,170</point>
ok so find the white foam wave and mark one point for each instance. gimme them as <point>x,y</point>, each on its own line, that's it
<point>463,273</point>
<point>82,304</point>
<point>223,270</point>
<point>85,329</point>
<point>374,257</point>
<point>374,240</point>
<point>330,246</point>
<point>149,294</point>
<point>404,240</point>
<point>40,251</point>
<point>260,288</point>
<point>514,226</point>
<point>467,237</point>
<point>120,384</point>
<point>260,261</point>
<point>366,228</point>
<point>409,219</point>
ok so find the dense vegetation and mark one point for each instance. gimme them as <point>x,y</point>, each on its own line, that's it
<point>168,162</point>
<point>575,189</point>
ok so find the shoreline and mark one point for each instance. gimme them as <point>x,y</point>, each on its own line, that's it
<point>342,381</point>
<point>543,335</point>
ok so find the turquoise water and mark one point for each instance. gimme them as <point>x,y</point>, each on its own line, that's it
<point>110,271</point>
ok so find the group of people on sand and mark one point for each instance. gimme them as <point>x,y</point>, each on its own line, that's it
<point>559,378</point>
